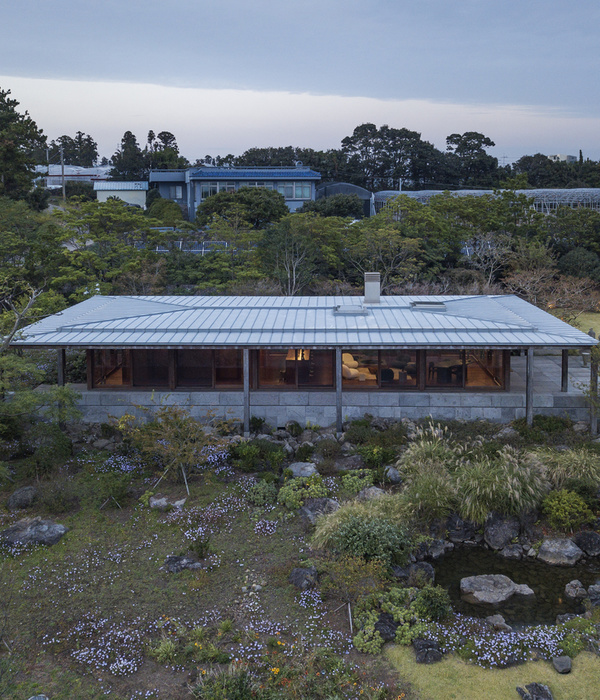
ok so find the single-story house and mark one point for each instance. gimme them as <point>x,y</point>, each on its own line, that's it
<point>314,359</point>
<point>189,187</point>
<point>130,192</point>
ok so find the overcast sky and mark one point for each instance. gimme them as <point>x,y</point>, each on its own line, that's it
<point>226,76</point>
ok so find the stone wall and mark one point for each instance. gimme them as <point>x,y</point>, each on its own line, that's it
<point>318,407</point>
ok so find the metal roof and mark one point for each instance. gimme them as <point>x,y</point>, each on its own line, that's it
<point>178,321</point>
<point>107,185</point>
<point>290,173</point>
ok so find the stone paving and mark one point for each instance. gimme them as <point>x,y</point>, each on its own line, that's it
<point>547,374</point>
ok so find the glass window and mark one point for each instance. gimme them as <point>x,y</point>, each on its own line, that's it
<point>276,368</point>
<point>229,371</point>
<point>111,368</point>
<point>397,369</point>
<point>207,189</point>
<point>445,368</point>
<point>302,190</point>
<point>175,192</point>
<point>227,187</point>
<point>286,189</point>
<point>359,368</point>
<point>315,368</point>
<point>195,368</point>
<point>150,368</point>
<point>484,368</point>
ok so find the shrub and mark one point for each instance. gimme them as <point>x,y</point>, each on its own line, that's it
<point>263,493</point>
<point>545,430</point>
<point>256,424</point>
<point>508,484</point>
<point>566,510</point>
<point>351,578</point>
<point>579,463</point>
<point>293,493</point>
<point>430,450</point>
<point>372,538</point>
<point>376,456</point>
<point>256,455</point>
<point>110,488</point>
<point>355,481</point>
<point>432,603</point>
<point>51,447</point>
<point>304,453</point>
<point>359,431</point>
<point>165,651</point>
<point>329,448</point>
<point>430,494</point>
<point>294,428</point>
<point>227,685</point>
<point>59,496</point>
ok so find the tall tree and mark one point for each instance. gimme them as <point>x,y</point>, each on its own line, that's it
<point>477,167</point>
<point>81,150</point>
<point>19,140</point>
<point>162,151</point>
<point>129,162</point>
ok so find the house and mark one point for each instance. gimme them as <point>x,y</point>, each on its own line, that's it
<point>131,192</point>
<point>51,176</point>
<point>191,186</point>
<point>317,359</point>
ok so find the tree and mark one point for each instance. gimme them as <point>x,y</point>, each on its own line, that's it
<point>81,150</point>
<point>129,162</point>
<point>342,205</point>
<point>259,206</point>
<point>162,151</point>
<point>477,168</point>
<point>19,139</point>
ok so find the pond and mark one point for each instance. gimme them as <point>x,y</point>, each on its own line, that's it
<point>547,582</point>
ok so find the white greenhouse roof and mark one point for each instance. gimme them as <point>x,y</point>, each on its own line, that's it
<point>119,186</point>
<point>246,321</point>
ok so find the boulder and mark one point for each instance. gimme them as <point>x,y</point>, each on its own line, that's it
<point>303,578</point>
<point>303,469</point>
<point>22,498</point>
<point>427,651</point>
<point>498,623</point>
<point>162,503</point>
<point>420,570</point>
<point>565,617</point>
<point>559,552</point>
<point>594,595</point>
<point>589,542</point>
<point>174,564</point>
<point>508,433</point>
<point>461,531</point>
<point>392,474</point>
<point>370,493</point>
<point>512,551</point>
<point>562,664</point>
<point>33,531</point>
<point>491,589</point>
<point>575,590</point>
<point>535,691</point>
<point>349,463</point>
<point>386,626</point>
<point>315,507</point>
<point>499,531</point>
<point>437,548</point>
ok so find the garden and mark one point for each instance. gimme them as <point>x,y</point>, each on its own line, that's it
<point>185,561</point>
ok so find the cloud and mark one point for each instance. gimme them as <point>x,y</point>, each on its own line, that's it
<point>221,121</point>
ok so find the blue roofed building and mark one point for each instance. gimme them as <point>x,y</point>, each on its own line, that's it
<point>191,186</point>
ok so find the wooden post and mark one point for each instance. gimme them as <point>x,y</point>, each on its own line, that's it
<point>61,357</point>
<point>246,372</point>
<point>529,388</point>
<point>564,375</point>
<point>338,390</point>
<point>593,395</point>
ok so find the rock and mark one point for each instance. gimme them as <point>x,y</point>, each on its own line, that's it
<point>499,531</point>
<point>580,427</point>
<point>559,552</point>
<point>419,571</point>
<point>498,623</point>
<point>512,551</point>
<point>174,564</point>
<point>535,691</point>
<point>370,494</point>
<point>594,595</point>
<point>562,664</point>
<point>386,626</point>
<point>38,697</point>
<point>162,503</point>
<point>22,498</point>
<point>33,531</point>
<point>315,507</point>
<point>565,617</point>
<point>491,589</point>
<point>281,435</point>
<point>508,433</point>
<point>437,549</point>
<point>461,531</point>
<point>303,578</point>
<point>303,469</point>
<point>104,444</point>
<point>349,463</point>
<point>392,474</point>
<point>589,542</point>
<point>427,651</point>
<point>575,590</point>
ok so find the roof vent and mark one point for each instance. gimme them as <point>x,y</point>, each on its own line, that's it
<point>372,287</point>
<point>350,310</point>
<point>426,305</point>
<point>299,164</point>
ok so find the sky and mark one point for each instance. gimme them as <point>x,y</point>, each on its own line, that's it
<point>227,76</point>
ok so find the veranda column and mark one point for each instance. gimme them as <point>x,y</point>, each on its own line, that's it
<point>564,376</point>
<point>61,357</point>
<point>338,390</point>
<point>246,371</point>
<point>593,394</point>
<point>529,388</point>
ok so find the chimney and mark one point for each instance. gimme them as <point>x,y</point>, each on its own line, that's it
<point>372,288</point>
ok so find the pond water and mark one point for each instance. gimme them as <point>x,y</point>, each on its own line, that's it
<point>547,582</point>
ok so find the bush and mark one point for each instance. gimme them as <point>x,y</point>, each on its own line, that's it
<point>51,447</point>
<point>566,510</point>
<point>227,685</point>
<point>355,481</point>
<point>372,538</point>
<point>329,448</point>
<point>376,456</point>
<point>59,496</point>
<point>111,488</point>
<point>293,494</point>
<point>304,453</point>
<point>578,463</point>
<point>165,651</point>
<point>294,428</point>
<point>351,578</point>
<point>256,455</point>
<point>359,431</point>
<point>545,429</point>
<point>256,424</point>
<point>432,603</point>
<point>430,450</point>
<point>263,493</point>
<point>430,494</point>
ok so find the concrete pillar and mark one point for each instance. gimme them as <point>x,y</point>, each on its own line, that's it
<point>338,390</point>
<point>564,375</point>
<point>61,357</point>
<point>594,395</point>
<point>529,388</point>
<point>246,372</point>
